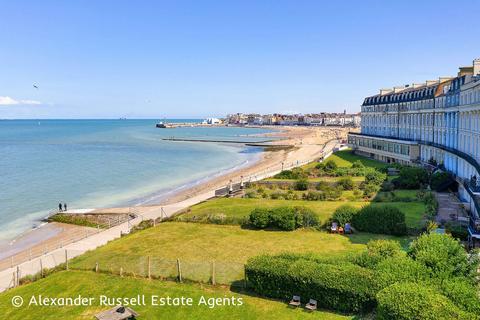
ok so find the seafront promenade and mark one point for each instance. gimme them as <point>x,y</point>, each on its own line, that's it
<point>10,277</point>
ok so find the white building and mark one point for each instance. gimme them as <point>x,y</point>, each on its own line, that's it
<point>437,121</point>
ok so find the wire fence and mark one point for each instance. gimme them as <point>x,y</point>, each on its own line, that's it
<point>49,245</point>
<point>213,272</point>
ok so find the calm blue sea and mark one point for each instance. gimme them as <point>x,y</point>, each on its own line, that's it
<point>101,163</point>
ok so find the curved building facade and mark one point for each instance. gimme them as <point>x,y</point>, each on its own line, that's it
<point>436,122</point>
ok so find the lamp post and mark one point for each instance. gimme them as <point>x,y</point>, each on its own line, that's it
<point>241,182</point>
<point>282,165</point>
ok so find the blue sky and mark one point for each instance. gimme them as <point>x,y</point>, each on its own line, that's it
<point>155,59</point>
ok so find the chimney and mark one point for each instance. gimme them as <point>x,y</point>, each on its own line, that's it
<point>431,82</point>
<point>443,79</point>
<point>398,89</point>
<point>417,85</point>
<point>385,91</point>
<point>476,67</point>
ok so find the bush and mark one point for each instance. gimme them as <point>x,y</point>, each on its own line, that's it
<point>296,173</point>
<point>380,219</point>
<point>400,268</point>
<point>405,301</point>
<point>305,217</point>
<point>442,255</point>
<point>313,196</point>
<point>346,183</point>
<point>344,214</point>
<point>301,185</point>
<point>344,288</point>
<point>375,177</point>
<point>370,189</point>
<point>358,165</point>
<point>283,218</point>
<point>260,218</point>
<point>331,165</point>
<point>377,251</point>
<point>440,181</point>
<point>462,293</point>
<point>457,231</point>
<point>411,178</point>
<point>322,185</point>
<point>388,186</point>
<point>251,195</point>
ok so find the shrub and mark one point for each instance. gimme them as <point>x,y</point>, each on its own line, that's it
<point>388,186</point>
<point>405,301</point>
<point>277,195</point>
<point>344,214</point>
<point>380,219</point>
<point>440,181</point>
<point>457,231</point>
<point>411,178</point>
<point>333,193</point>
<point>331,165</point>
<point>283,218</point>
<point>296,173</point>
<point>260,218</point>
<point>377,251</point>
<point>346,183</point>
<point>344,288</point>
<point>400,268</point>
<point>301,185</point>
<point>375,177</point>
<point>305,217</point>
<point>251,195</point>
<point>322,185</point>
<point>370,189</point>
<point>314,196</point>
<point>462,293</point>
<point>358,165</point>
<point>442,255</point>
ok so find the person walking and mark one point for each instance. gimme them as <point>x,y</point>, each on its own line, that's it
<point>60,207</point>
<point>64,207</point>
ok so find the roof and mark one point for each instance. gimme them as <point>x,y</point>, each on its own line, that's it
<point>117,313</point>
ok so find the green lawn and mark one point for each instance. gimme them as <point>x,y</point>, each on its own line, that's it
<point>197,245</point>
<point>89,284</point>
<point>346,158</point>
<point>241,207</point>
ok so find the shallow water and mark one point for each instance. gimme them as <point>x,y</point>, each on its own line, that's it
<point>101,163</point>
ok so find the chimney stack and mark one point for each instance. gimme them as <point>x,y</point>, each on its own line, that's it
<point>476,67</point>
<point>385,91</point>
<point>431,82</point>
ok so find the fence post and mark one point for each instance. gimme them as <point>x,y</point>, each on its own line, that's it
<point>213,272</point>
<point>96,267</point>
<point>121,272</point>
<point>245,276</point>
<point>149,267</point>
<point>66,260</point>
<point>179,270</point>
<point>41,268</point>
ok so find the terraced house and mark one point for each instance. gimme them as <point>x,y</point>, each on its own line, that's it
<point>432,123</point>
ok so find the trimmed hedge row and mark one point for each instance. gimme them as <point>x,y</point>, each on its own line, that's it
<point>380,219</point>
<point>405,301</point>
<point>284,218</point>
<point>344,288</point>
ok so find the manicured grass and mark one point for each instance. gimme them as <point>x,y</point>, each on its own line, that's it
<point>90,284</point>
<point>346,158</point>
<point>197,245</point>
<point>241,207</point>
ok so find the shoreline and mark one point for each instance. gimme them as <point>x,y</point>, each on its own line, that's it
<point>307,143</point>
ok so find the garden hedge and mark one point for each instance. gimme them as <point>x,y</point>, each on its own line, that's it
<point>344,288</point>
<point>380,219</point>
<point>405,301</point>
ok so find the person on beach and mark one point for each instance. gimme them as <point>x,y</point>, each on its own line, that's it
<point>64,207</point>
<point>60,207</point>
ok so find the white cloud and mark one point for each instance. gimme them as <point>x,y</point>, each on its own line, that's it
<point>7,101</point>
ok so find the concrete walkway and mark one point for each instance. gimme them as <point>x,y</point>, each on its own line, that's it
<point>449,208</point>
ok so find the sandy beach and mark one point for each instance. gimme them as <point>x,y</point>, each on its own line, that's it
<point>306,144</point>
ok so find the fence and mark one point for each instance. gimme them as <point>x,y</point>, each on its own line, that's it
<point>52,244</point>
<point>214,272</point>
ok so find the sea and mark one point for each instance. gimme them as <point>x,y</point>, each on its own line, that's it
<point>105,163</point>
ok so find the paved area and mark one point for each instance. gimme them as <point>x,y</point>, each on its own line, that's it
<point>449,208</point>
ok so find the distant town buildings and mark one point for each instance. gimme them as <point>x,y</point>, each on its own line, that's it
<point>313,119</point>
